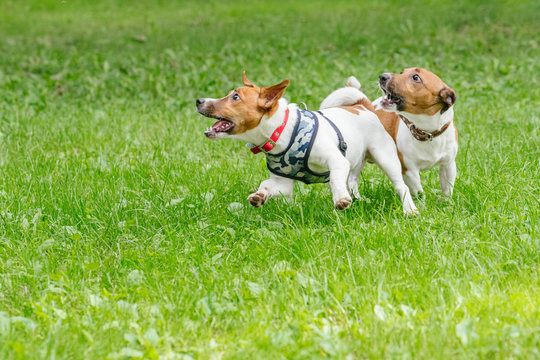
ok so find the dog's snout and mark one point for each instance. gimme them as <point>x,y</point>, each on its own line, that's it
<point>383,78</point>
<point>199,101</point>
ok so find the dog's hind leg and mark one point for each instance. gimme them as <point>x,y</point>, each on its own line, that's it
<point>387,159</point>
<point>352,180</point>
<point>272,187</point>
<point>339,168</point>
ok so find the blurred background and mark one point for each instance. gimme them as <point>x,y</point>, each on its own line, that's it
<point>174,51</point>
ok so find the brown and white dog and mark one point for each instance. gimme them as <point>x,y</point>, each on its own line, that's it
<point>417,111</point>
<point>331,145</point>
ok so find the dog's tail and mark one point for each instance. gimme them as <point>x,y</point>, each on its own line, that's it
<point>353,82</point>
<point>346,96</point>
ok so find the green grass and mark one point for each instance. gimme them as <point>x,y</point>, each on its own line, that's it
<point>117,234</point>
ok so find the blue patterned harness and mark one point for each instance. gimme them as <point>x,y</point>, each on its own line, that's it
<point>293,161</point>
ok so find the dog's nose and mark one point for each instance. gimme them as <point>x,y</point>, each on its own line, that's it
<point>383,78</point>
<point>199,101</point>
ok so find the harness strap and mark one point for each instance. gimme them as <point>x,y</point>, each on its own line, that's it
<point>342,144</point>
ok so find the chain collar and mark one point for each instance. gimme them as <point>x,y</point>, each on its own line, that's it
<point>422,135</point>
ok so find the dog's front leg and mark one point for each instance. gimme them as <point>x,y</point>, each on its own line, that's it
<point>447,177</point>
<point>412,179</point>
<point>339,172</point>
<point>274,186</point>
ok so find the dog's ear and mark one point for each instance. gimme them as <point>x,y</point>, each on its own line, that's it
<point>246,81</point>
<point>271,94</point>
<point>448,98</point>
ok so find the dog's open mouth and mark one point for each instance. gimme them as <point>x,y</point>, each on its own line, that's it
<point>390,98</point>
<point>222,125</point>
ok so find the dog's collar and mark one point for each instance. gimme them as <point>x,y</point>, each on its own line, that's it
<point>422,135</point>
<point>269,145</point>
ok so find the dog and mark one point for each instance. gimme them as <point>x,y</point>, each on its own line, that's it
<point>323,146</point>
<point>417,110</point>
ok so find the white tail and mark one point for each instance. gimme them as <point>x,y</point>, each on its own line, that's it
<point>353,82</point>
<point>345,96</point>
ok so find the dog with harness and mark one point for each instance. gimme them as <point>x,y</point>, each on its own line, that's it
<point>331,145</point>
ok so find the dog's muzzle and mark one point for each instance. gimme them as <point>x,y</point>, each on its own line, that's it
<point>383,78</point>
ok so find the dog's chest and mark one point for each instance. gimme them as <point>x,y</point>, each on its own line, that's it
<point>424,155</point>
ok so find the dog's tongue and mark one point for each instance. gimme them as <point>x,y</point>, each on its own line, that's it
<point>222,125</point>
<point>219,126</point>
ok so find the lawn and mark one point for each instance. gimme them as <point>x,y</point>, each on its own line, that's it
<point>125,233</point>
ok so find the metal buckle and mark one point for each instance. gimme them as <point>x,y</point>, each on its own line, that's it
<point>260,147</point>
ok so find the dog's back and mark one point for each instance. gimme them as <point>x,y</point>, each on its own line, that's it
<point>350,96</point>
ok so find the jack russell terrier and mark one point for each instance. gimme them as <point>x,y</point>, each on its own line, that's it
<point>417,111</point>
<point>310,146</point>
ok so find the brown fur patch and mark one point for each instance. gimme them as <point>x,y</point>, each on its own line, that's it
<point>350,109</point>
<point>362,105</point>
<point>423,92</point>
<point>390,121</point>
<point>366,103</point>
<point>269,96</point>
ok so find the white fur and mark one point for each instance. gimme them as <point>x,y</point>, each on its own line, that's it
<point>417,155</point>
<point>353,82</point>
<point>364,135</point>
<point>345,96</point>
<point>424,155</point>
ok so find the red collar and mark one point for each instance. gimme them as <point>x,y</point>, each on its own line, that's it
<point>269,145</point>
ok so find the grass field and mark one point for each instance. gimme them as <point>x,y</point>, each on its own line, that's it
<point>125,233</point>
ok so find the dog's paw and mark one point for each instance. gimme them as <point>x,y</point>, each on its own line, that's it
<point>343,203</point>
<point>257,199</point>
<point>409,209</point>
<point>411,212</point>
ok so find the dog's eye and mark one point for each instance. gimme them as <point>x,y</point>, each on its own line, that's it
<point>416,78</point>
<point>236,97</point>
